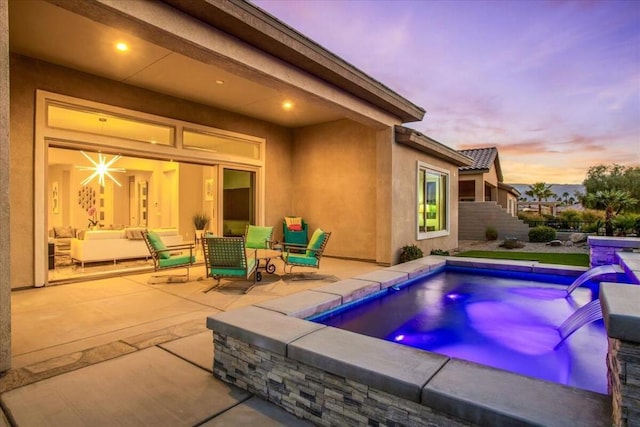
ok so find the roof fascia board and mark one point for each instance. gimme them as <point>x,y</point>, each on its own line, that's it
<point>260,29</point>
<point>473,171</point>
<point>430,146</point>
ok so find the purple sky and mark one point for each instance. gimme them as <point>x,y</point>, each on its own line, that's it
<point>555,85</point>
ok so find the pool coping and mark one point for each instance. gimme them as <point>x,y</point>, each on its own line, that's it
<point>465,390</point>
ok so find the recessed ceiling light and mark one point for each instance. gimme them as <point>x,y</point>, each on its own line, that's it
<point>219,82</point>
<point>287,105</point>
<point>122,47</point>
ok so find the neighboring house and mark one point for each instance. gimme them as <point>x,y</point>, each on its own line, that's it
<point>215,107</point>
<point>482,182</point>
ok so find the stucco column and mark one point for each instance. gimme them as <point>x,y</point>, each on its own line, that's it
<point>5,254</point>
<point>384,195</point>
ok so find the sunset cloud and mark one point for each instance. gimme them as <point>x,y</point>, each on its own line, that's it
<point>554,85</point>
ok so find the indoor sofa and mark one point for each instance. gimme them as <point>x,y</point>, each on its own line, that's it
<point>114,245</point>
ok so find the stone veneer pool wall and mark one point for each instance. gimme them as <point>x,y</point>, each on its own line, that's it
<point>334,377</point>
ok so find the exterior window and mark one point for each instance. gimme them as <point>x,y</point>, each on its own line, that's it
<point>222,144</point>
<point>73,118</point>
<point>433,202</point>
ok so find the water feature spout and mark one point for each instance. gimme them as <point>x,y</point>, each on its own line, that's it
<point>584,315</point>
<point>599,271</point>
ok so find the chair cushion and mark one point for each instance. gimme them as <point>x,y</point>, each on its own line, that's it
<point>236,272</point>
<point>176,260</point>
<point>158,245</point>
<point>316,242</point>
<point>300,259</point>
<point>257,237</point>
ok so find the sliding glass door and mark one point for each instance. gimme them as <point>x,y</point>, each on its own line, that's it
<point>238,201</point>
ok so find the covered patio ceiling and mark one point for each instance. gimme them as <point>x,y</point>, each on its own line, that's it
<point>46,31</point>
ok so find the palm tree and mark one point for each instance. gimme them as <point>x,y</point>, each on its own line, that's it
<point>541,191</point>
<point>565,197</point>
<point>613,202</point>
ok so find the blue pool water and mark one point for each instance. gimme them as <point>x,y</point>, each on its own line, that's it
<point>505,320</point>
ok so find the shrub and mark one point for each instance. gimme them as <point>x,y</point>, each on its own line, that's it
<point>530,218</point>
<point>542,234</point>
<point>410,252</point>
<point>512,244</point>
<point>490,233</point>
<point>625,224</point>
<point>592,216</point>
<point>439,252</point>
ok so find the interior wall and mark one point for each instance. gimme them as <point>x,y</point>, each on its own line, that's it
<point>334,170</point>
<point>28,75</point>
<point>405,202</point>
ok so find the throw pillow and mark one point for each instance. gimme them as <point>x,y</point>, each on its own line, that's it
<point>290,220</point>
<point>257,237</point>
<point>63,232</point>
<point>295,227</point>
<point>158,245</point>
<point>315,242</point>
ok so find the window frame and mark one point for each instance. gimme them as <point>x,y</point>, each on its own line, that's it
<point>423,167</point>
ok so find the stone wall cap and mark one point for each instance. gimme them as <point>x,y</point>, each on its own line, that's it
<point>385,278</point>
<point>617,242</point>
<point>487,396</point>
<point>385,366</point>
<point>621,310</point>
<point>350,289</point>
<point>302,304</point>
<point>260,327</point>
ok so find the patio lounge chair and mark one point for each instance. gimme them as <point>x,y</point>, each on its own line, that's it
<point>167,257</point>
<point>305,256</point>
<point>226,257</point>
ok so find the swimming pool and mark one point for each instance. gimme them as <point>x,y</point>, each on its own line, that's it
<point>507,320</point>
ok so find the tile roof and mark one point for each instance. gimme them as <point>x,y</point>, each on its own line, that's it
<point>483,158</point>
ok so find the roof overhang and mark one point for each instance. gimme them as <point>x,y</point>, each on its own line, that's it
<point>508,188</point>
<point>229,55</point>
<point>423,143</point>
<point>253,25</point>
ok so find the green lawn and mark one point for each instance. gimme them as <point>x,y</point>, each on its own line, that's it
<point>580,260</point>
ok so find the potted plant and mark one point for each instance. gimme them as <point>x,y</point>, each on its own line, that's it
<point>200,222</point>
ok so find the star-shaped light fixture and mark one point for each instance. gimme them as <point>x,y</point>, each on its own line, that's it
<point>101,168</point>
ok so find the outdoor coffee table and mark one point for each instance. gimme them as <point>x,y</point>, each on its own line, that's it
<point>266,255</point>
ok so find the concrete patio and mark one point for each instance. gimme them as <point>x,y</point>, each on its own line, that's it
<point>122,351</point>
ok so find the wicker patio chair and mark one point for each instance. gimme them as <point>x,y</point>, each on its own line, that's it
<point>226,257</point>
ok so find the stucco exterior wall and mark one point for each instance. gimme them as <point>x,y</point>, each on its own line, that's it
<point>334,185</point>
<point>508,201</point>
<point>405,202</point>
<point>28,75</point>
<point>5,177</point>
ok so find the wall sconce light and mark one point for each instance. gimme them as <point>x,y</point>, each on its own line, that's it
<point>100,168</point>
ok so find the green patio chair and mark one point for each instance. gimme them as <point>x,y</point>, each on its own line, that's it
<point>226,257</point>
<point>167,257</point>
<point>295,235</point>
<point>305,256</point>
